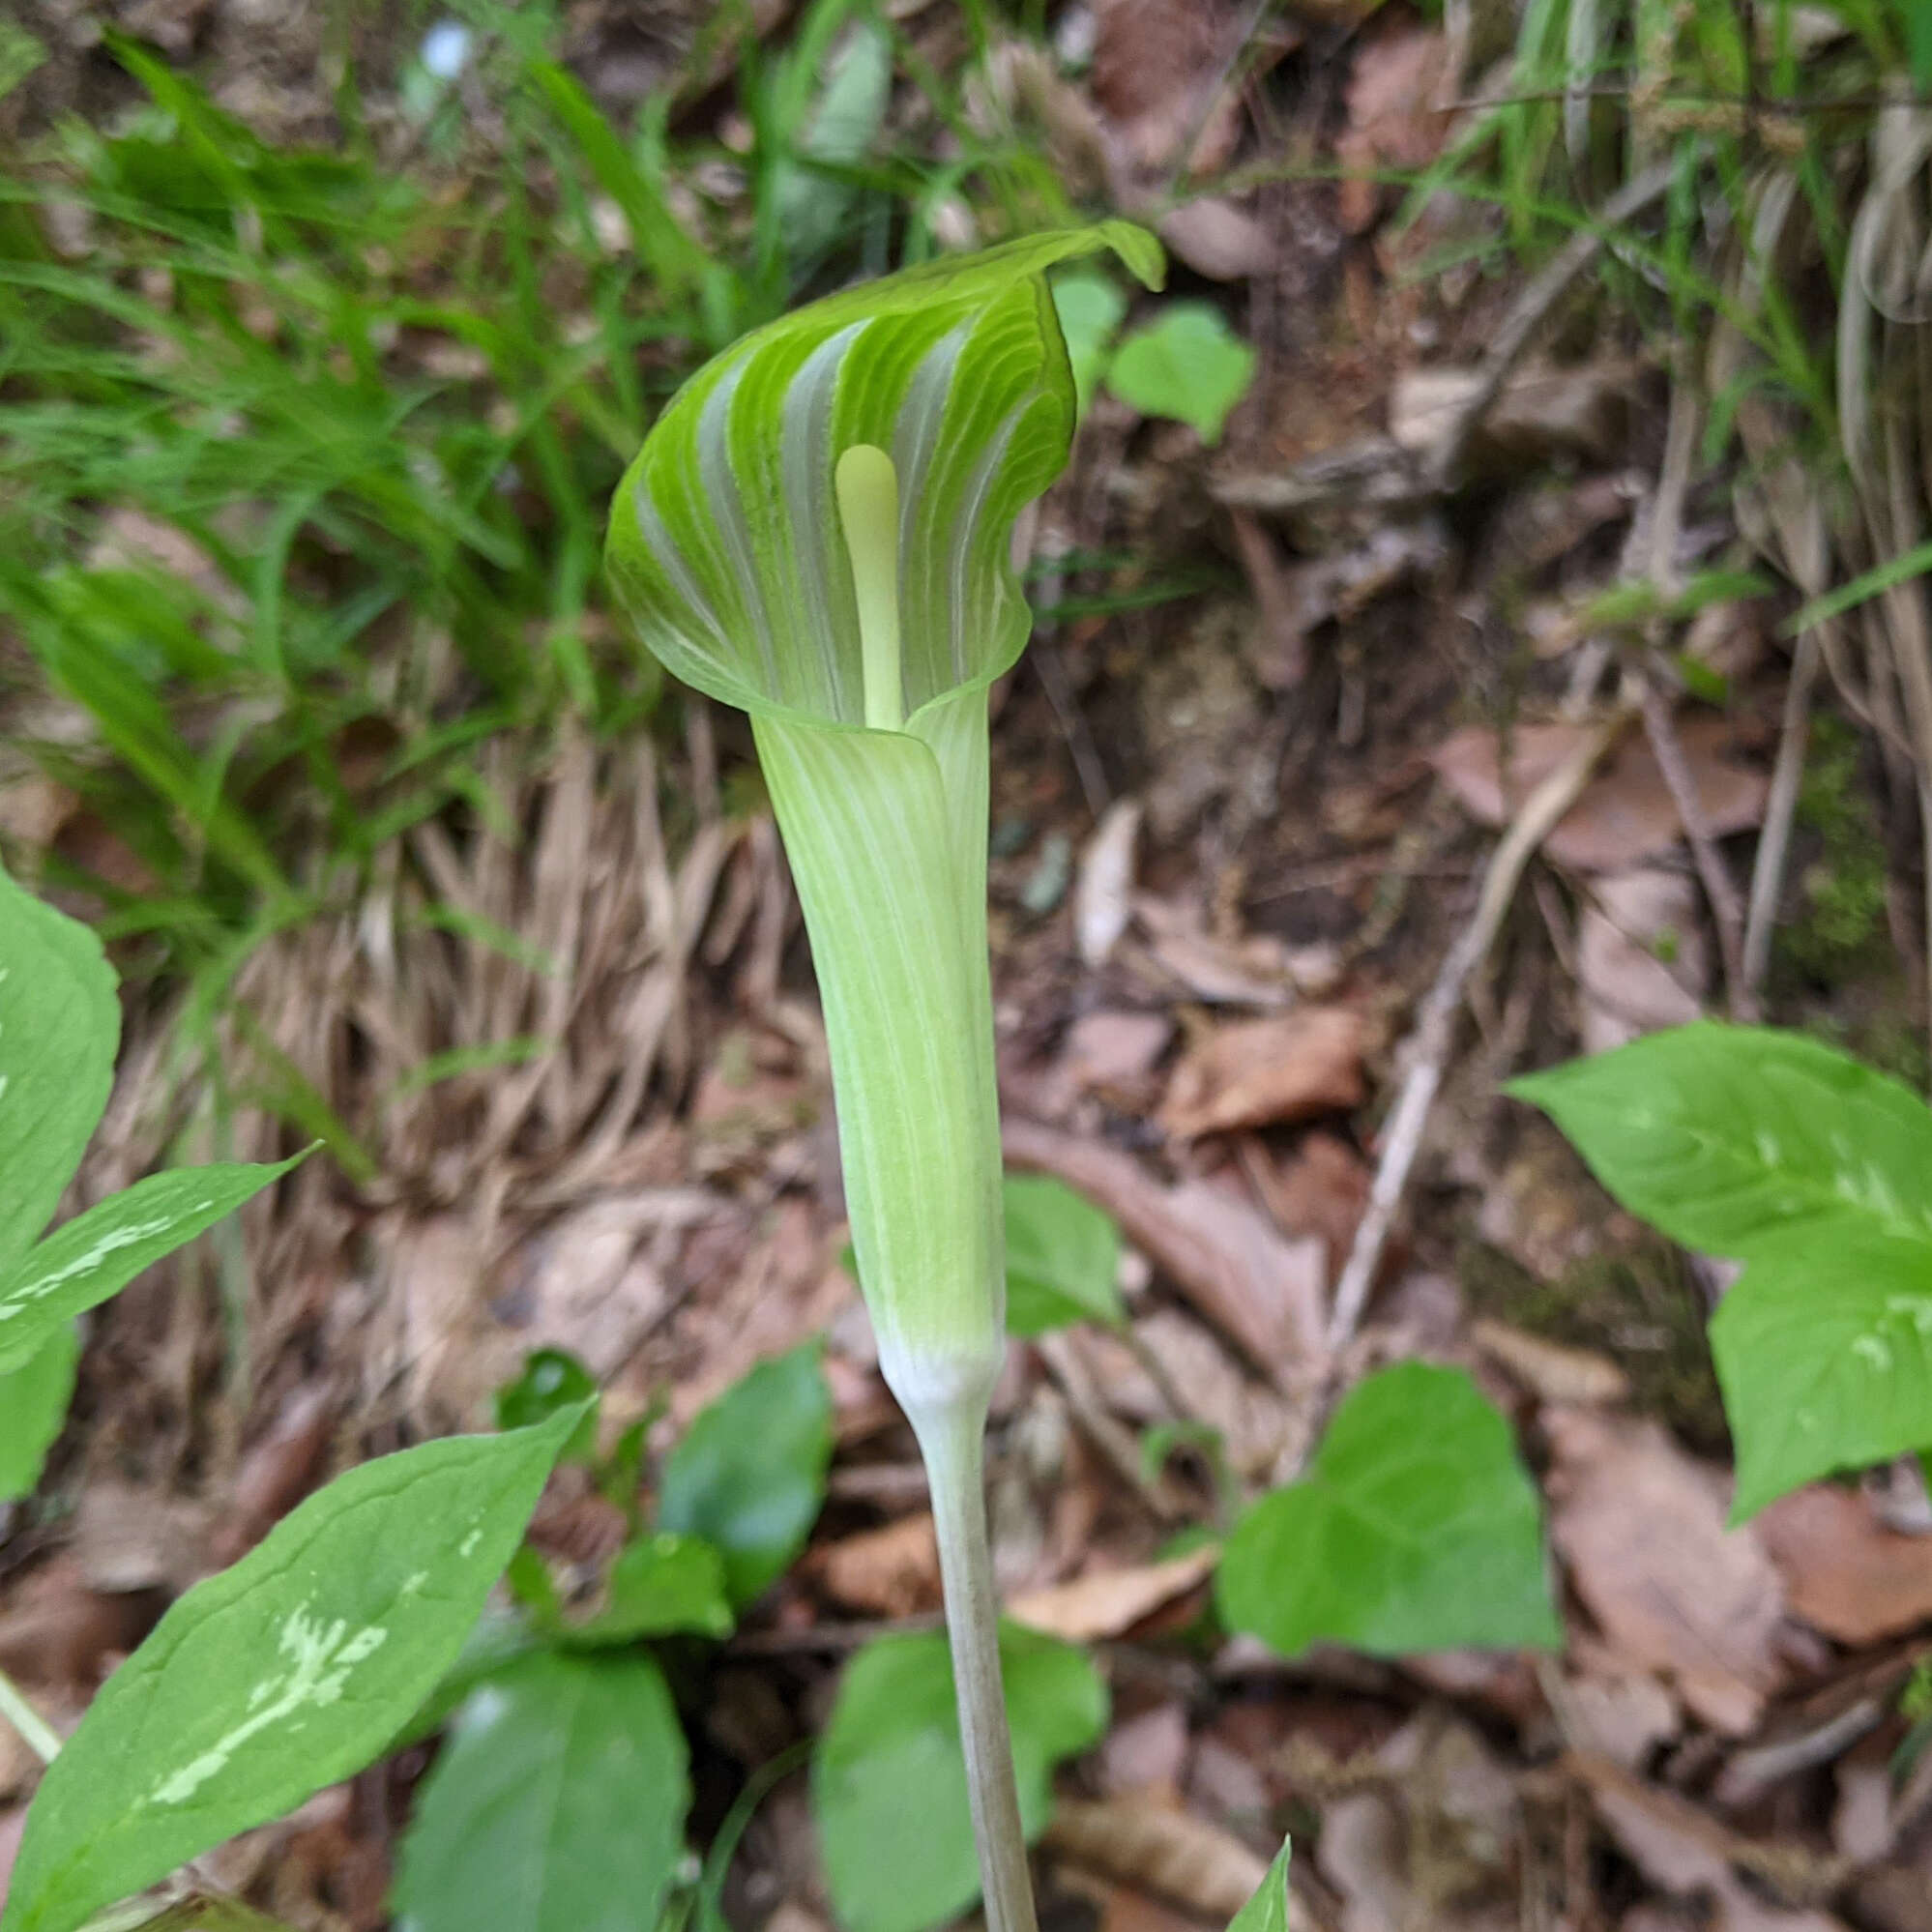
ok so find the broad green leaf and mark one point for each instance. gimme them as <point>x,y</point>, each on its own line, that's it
<point>1268,1910</point>
<point>889,1786</point>
<point>552,1379</point>
<point>1414,1529</point>
<point>33,1406</point>
<point>284,1673</point>
<point>1090,308</point>
<point>557,1805</point>
<point>1063,1255</point>
<point>658,1585</point>
<point>724,539</point>
<point>60,1023</point>
<point>1726,1137</point>
<point>97,1253</point>
<point>750,1475</point>
<point>1824,1352</point>
<point>1817,1173</point>
<point>1186,364</point>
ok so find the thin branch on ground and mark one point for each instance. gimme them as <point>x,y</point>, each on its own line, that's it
<point>1780,811</point>
<point>25,1719</point>
<point>1528,312</point>
<point>1726,913</point>
<point>1117,1446</point>
<point>1428,1045</point>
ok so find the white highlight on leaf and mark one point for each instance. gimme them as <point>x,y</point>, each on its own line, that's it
<point>468,1547</point>
<point>1872,1352</point>
<point>321,1661</point>
<point>24,1295</point>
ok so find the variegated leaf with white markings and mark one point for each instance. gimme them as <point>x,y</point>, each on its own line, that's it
<point>284,1673</point>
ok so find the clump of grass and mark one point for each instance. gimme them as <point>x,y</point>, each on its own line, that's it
<point>310,449</point>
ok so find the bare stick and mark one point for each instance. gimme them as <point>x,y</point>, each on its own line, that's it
<point>1726,914</point>
<point>1780,809</point>
<point>1542,293</point>
<point>25,1719</point>
<point>1428,1045</point>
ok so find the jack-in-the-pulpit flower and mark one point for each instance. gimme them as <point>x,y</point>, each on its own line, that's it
<point>819,531</point>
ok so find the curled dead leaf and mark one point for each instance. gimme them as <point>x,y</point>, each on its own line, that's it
<point>1626,812</point>
<point>1172,1853</point>
<point>1109,1602</point>
<point>1551,1371</point>
<point>1642,1529</point>
<point>1264,1293</point>
<point>1260,1073</point>
<point>1845,1572</point>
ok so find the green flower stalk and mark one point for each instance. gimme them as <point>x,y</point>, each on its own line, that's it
<point>818,530</point>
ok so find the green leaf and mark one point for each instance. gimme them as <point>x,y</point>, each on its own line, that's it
<point>658,1585</point>
<point>557,1805</point>
<point>552,1379</point>
<point>1090,308</point>
<point>1817,1173</point>
<point>1726,1137</point>
<point>1063,1255</point>
<point>1268,1910</point>
<point>1824,1352</point>
<point>750,1475</point>
<point>1188,365</point>
<point>97,1253</point>
<point>1414,1529</point>
<point>60,1023</point>
<point>889,1785</point>
<point>282,1674</point>
<point>33,1406</point>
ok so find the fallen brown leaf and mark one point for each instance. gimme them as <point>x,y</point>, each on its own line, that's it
<point>1542,410</point>
<point>1261,1073</point>
<point>1642,960</point>
<point>1172,1853</point>
<point>1551,1371</point>
<point>1685,1851</point>
<point>1264,1293</point>
<point>1147,1752</point>
<point>1252,971</point>
<point>891,1572</point>
<point>1626,813</point>
<point>1102,891</point>
<point>1844,1571</point>
<point>1393,119</point>
<point>1641,1527</point>
<point>1108,1602</point>
<point>1112,1049</point>
<point>1217,240</point>
<point>277,1471</point>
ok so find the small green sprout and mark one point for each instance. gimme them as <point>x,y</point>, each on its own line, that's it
<point>819,531</point>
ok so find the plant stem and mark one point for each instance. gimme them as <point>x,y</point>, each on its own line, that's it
<point>951,1438</point>
<point>25,1719</point>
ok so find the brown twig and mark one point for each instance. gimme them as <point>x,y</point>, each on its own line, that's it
<point>1428,1045</point>
<point>1726,913</point>
<point>1526,313</point>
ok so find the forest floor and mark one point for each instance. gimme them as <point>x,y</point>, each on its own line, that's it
<point>1289,695</point>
